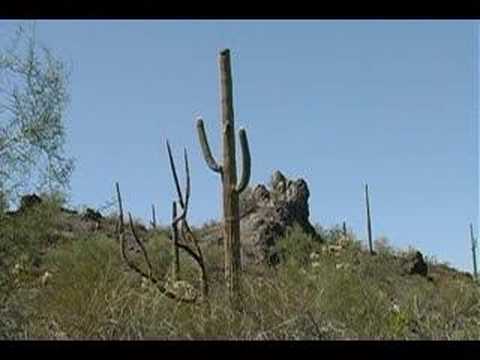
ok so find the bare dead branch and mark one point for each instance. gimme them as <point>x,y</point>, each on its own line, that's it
<point>175,177</point>
<point>140,244</point>
<point>131,264</point>
<point>187,174</point>
<point>190,243</point>
<point>120,207</point>
<point>189,251</point>
<point>122,240</point>
<point>187,235</point>
<point>176,257</point>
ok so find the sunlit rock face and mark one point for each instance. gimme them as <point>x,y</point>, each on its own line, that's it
<point>270,211</point>
<point>266,213</point>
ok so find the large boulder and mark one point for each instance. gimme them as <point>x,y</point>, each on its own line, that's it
<point>266,213</point>
<point>415,264</point>
<point>92,214</point>
<point>29,201</point>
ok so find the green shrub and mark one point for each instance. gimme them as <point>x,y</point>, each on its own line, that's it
<point>297,246</point>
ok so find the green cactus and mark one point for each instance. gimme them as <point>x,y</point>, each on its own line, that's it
<point>228,173</point>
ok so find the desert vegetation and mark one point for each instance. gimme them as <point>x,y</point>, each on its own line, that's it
<point>76,285</point>
<point>265,273</point>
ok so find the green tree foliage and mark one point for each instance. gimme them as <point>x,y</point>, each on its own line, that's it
<point>33,99</point>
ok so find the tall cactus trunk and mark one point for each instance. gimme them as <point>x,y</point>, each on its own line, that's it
<point>229,179</point>
<point>474,252</point>
<point>369,222</point>
<point>228,171</point>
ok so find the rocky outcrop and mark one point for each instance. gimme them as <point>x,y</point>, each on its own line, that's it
<point>272,211</point>
<point>266,215</point>
<point>29,201</point>
<point>91,214</point>
<point>415,264</point>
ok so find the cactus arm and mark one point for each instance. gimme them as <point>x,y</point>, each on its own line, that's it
<point>246,161</point>
<point>207,153</point>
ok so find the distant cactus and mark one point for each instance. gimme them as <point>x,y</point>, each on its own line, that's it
<point>369,222</point>
<point>474,252</point>
<point>154,218</point>
<point>228,172</point>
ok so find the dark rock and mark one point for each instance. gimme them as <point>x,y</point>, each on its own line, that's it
<point>29,201</point>
<point>466,275</point>
<point>415,264</point>
<point>91,214</point>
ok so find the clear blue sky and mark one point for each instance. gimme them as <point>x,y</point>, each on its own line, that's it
<point>340,103</point>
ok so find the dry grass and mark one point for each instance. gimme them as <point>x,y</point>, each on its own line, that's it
<point>313,294</point>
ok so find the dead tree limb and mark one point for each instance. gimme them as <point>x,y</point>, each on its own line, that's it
<point>180,223</point>
<point>148,275</point>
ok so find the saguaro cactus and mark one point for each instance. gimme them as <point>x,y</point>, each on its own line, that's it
<point>228,173</point>
<point>474,252</point>
<point>154,218</point>
<point>369,222</point>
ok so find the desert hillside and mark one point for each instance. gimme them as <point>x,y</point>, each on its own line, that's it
<point>63,277</point>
